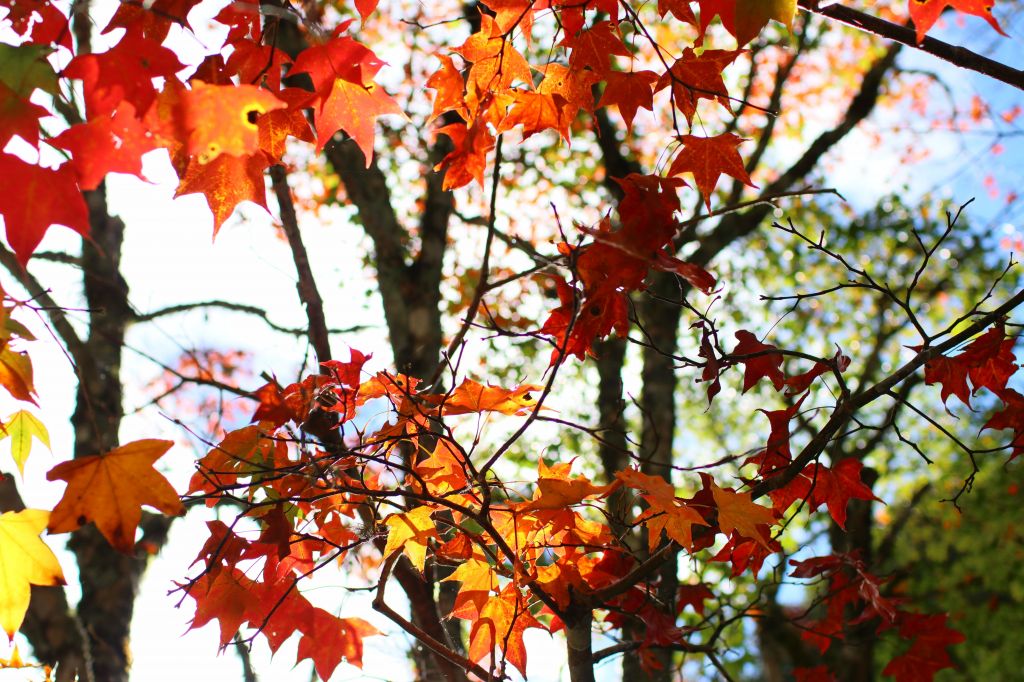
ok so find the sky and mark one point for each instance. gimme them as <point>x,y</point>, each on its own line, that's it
<point>169,257</point>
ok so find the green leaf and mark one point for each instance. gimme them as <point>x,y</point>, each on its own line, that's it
<point>24,68</point>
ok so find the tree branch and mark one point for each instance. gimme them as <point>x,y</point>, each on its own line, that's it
<point>904,35</point>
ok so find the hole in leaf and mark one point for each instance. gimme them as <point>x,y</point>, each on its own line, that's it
<point>251,116</point>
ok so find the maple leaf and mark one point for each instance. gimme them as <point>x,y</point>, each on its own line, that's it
<point>629,91</point>
<point>473,397</point>
<point>745,19</point>
<point>444,470</point>
<point>152,20</point>
<point>666,513</point>
<point>555,490</point>
<point>110,489</point>
<point>496,64</point>
<point>257,64</point>
<point>22,427</point>
<point>501,623</point>
<point>764,364</point>
<point>478,581</point>
<point>125,72</point>
<point>708,158</point>
<point>16,374</point>
<point>24,68</point>
<point>928,652</point>
<point>25,560</point>
<point>468,160</point>
<point>925,13</point>
<point>593,47</point>
<point>328,639</point>
<point>1010,417</point>
<point>226,182</point>
<point>450,87</point>
<point>410,532</point>
<point>353,108</point>
<point>988,361</point>
<point>243,452</point>
<point>222,119</point>
<point>39,21</point>
<point>511,14</point>
<point>276,126</point>
<point>105,144</point>
<point>694,77</point>
<point>737,512</point>
<point>18,116</point>
<point>341,57</point>
<point>575,89</point>
<point>45,197</point>
<point>536,112</point>
<point>225,594</point>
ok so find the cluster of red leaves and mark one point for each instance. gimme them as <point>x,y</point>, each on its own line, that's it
<point>617,263</point>
<point>987,362</point>
<point>222,127</point>
<point>854,597</point>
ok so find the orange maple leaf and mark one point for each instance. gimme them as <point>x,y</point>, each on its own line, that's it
<point>110,490</point>
<point>666,512</point>
<point>555,490</point>
<point>472,396</point>
<point>737,512</point>
<point>502,622</point>
<point>478,581</point>
<point>222,119</point>
<point>226,182</point>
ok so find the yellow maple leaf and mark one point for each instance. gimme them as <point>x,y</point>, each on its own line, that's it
<point>25,560</point>
<point>22,427</point>
<point>411,532</point>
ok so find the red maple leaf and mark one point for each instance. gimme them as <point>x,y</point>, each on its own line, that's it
<point>152,20</point>
<point>988,362</point>
<point>106,144</point>
<point>1010,417</point>
<point>353,108</point>
<point>593,47</point>
<point>327,639</point>
<point>708,158</point>
<point>764,364</point>
<point>695,77</point>
<point>341,57</point>
<point>629,91</point>
<point>926,12</point>
<point>468,160</point>
<point>928,653</point>
<point>45,197</point>
<point>125,72</point>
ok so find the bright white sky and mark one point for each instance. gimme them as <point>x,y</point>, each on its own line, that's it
<point>169,258</point>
